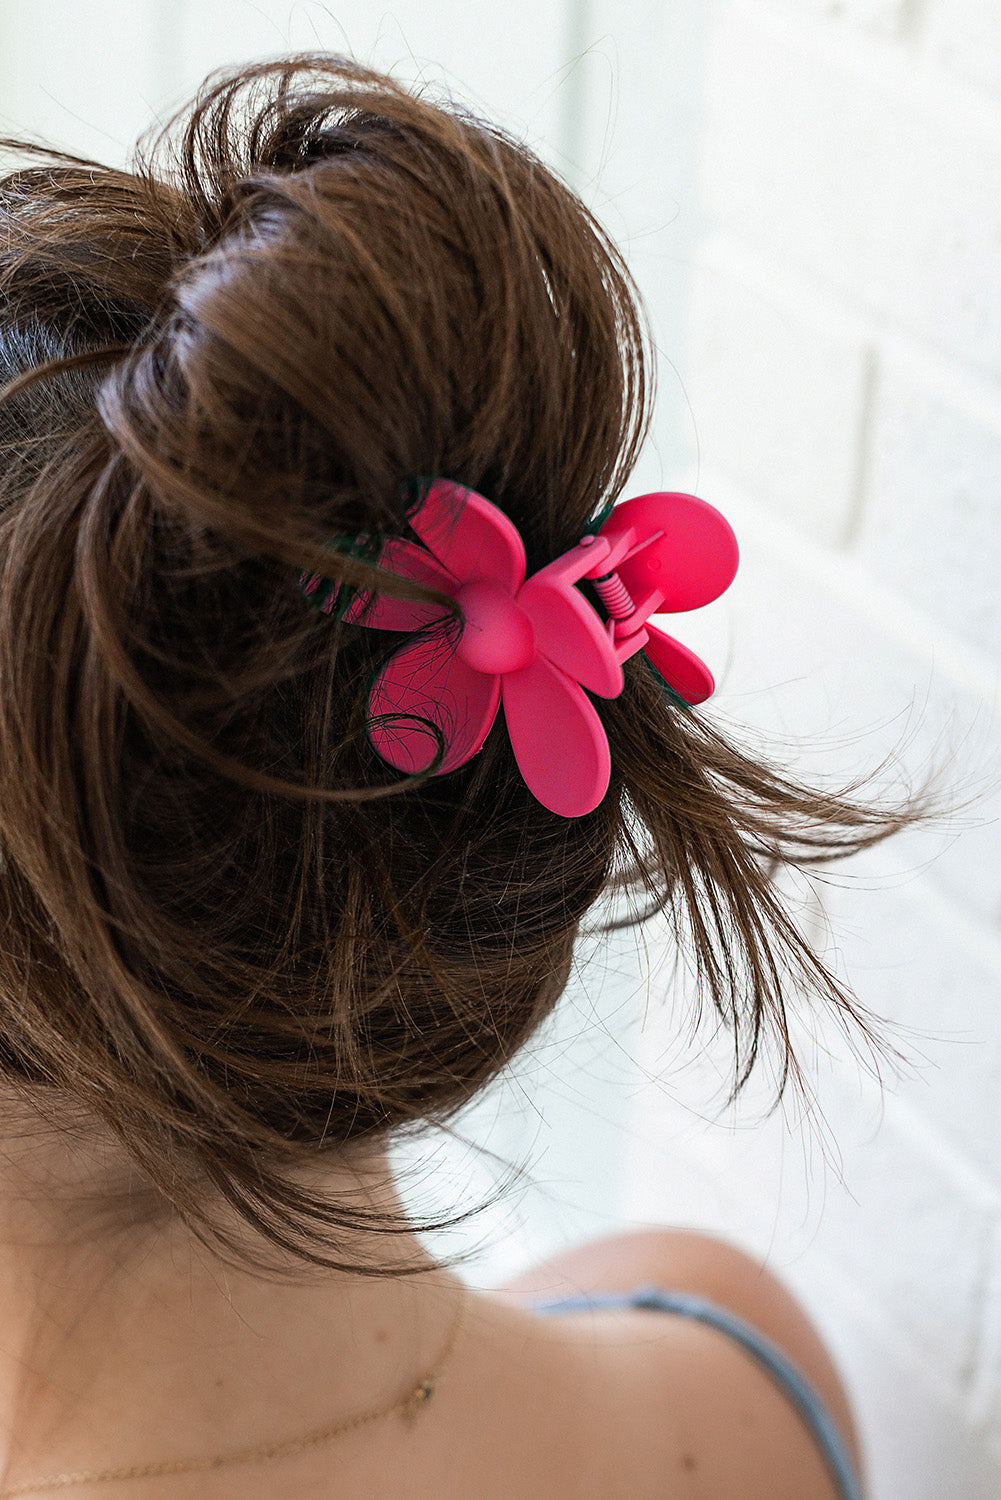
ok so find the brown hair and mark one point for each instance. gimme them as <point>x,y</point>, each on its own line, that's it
<point>231,933</point>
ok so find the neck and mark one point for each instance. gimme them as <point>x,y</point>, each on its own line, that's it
<point>171,1353</point>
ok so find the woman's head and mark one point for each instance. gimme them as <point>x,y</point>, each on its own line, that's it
<point>234,939</point>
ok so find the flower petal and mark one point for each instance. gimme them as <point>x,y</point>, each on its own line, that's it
<point>425,677</point>
<point>680,668</point>
<point>470,536</point>
<point>691,564</point>
<point>408,561</point>
<point>557,737</point>
<point>569,632</point>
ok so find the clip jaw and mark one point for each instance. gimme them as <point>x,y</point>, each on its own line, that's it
<point>597,559</point>
<point>666,552</point>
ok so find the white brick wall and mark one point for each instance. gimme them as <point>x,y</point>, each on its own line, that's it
<point>883,17</point>
<point>783,405</point>
<point>812,188</point>
<point>843,363</point>
<point>930,526</point>
<point>54,63</point>
<point>477,51</point>
<point>847,160</point>
<point>56,76</point>
<point>963,37</point>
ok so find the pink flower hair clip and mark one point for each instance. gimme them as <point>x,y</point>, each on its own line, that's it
<point>535,644</point>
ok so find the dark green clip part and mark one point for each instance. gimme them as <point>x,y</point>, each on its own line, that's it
<point>593,527</point>
<point>333,599</point>
<point>326,595</point>
<point>675,697</point>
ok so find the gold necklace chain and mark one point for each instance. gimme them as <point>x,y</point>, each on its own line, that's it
<point>408,1406</point>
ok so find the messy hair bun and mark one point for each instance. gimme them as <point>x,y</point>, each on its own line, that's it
<point>232,935</point>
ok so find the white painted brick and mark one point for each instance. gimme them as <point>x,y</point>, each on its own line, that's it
<point>915,962</point>
<point>918,1446</point>
<point>476,52</point>
<point>861,176</point>
<point>54,78</point>
<point>884,17</point>
<point>985,1399</point>
<point>964,36</point>
<point>632,144</point>
<point>932,519</point>
<point>852,1199</point>
<point>776,386</point>
<point>807,660</point>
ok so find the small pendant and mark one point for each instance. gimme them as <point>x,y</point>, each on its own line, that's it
<point>420,1398</point>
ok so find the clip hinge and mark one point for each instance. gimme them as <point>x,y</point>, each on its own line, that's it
<point>627,616</point>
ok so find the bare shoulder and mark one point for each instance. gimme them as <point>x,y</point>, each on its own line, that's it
<point>710,1420</point>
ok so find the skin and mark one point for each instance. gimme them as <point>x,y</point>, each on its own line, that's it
<point>109,1359</point>
<point>684,1260</point>
<point>237,1359</point>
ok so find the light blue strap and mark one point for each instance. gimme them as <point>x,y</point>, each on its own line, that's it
<point>779,1367</point>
